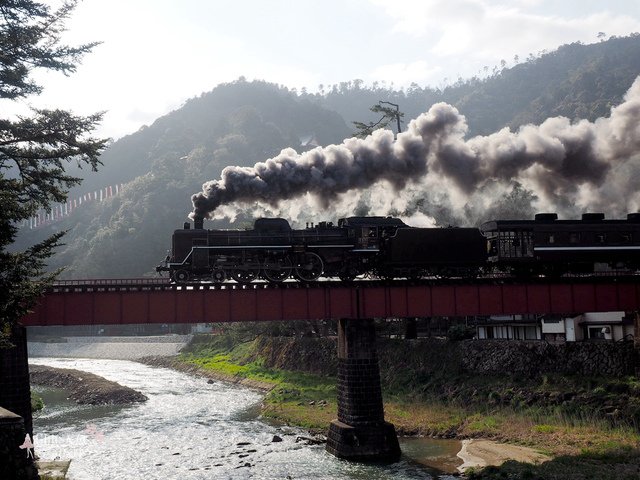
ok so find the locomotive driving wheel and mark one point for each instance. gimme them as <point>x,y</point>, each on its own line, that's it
<point>277,270</point>
<point>310,267</point>
<point>218,275</point>
<point>181,276</point>
<point>245,275</point>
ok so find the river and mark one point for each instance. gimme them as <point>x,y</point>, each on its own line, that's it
<point>192,429</point>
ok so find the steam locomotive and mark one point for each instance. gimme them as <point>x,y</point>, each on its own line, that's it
<point>385,247</point>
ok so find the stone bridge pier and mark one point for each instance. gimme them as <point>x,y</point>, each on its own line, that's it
<point>15,409</point>
<point>360,432</point>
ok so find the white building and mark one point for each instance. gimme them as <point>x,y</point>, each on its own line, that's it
<point>510,327</point>
<point>590,326</point>
<point>612,326</point>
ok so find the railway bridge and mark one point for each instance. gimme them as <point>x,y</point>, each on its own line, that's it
<point>360,431</point>
<point>140,301</point>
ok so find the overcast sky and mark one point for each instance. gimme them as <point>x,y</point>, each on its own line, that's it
<point>158,53</point>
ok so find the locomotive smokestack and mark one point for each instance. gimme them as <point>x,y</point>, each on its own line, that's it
<point>567,164</point>
<point>198,223</point>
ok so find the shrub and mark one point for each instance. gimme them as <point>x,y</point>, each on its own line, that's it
<point>460,332</point>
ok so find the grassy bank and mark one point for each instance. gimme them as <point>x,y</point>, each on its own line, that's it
<point>296,398</point>
<point>593,442</point>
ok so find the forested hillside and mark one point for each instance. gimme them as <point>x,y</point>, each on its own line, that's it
<point>577,81</point>
<point>243,122</point>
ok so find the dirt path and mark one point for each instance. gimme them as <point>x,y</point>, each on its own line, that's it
<point>480,453</point>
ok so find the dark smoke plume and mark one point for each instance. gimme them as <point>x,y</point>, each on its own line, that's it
<point>561,161</point>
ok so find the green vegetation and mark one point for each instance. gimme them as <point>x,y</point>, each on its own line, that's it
<point>299,398</point>
<point>36,402</point>
<point>461,332</point>
<point>36,149</point>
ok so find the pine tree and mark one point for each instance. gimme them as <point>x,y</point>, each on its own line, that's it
<point>390,114</point>
<point>35,149</point>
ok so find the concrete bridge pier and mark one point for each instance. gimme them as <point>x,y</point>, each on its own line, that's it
<point>360,433</point>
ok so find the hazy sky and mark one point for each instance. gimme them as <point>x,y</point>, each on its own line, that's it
<point>158,53</point>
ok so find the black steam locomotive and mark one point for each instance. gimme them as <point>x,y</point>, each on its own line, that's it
<point>385,247</point>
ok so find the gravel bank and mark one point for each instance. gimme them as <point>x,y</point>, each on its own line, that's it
<point>84,387</point>
<point>480,453</point>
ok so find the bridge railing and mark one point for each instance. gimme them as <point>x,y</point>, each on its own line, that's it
<point>109,284</point>
<point>112,281</point>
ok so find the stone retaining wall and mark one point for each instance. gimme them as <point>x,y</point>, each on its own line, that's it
<point>424,356</point>
<point>15,463</point>
<point>531,358</point>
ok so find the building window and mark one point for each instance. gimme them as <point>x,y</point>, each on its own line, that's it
<point>489,332</point>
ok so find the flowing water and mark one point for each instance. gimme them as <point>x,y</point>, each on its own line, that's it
<point>191,429</point>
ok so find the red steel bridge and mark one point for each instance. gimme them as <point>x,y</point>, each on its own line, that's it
<point>139,301</point>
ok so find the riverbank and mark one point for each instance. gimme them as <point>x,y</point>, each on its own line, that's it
<point>315,414</point>
<point>581,441</point>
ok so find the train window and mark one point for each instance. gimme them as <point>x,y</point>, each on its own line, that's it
<point>625,238</point>
<point>601,237</point>
<point>512,244</point>
<point>551,238</point>
<point>574,237</point>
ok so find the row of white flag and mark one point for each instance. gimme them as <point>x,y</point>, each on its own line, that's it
<point>62,210</point>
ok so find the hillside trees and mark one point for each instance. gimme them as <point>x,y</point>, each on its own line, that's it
<point>35,149</point>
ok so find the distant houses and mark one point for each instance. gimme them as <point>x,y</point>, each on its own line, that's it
<point>589,326</point>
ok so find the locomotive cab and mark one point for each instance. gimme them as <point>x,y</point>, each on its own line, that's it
<point>368,233</point>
